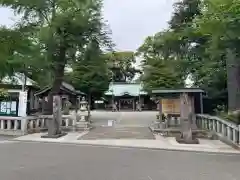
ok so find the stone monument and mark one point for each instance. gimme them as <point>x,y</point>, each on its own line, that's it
<point>54,123</point>
<point>186,121</point>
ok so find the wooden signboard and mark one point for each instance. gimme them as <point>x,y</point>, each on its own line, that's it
<point>171,106</point>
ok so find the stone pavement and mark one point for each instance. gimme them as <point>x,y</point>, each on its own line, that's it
<point>211,146</point>
<point>123,119</point>
<point>118,133</point>
<point>39,161</point>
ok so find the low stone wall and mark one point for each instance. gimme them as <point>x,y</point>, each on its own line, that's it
<point>23,125</point>
<point>225,130</point>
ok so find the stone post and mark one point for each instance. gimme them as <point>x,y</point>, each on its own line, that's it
<point>223,130</point>
<point>186,119</point>
<point>214,125</point>
<point>234,136</point>
<point>54,129</point>
<point>8,124</point>
<point>2,124</point>
<point>239,134</point>
<point>24,122</point>
<point>160,110</point>
<point>218,127</point>
<point>202,123</point>
<point>228,132</point>
<point>22,106</point>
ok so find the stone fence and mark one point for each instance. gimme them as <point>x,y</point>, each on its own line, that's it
<point>21,126</point>
<point>225,130</point>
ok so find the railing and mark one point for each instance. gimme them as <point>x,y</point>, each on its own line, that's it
<point>11,126</point>
<point>21,126</point>
<point>172,120</point>
<point>224,129</point>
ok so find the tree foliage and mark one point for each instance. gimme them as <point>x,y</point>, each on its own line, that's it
<point>196,44</point>
<point>121,65</point>
<point>220,21</point>
<point>59,28</point>
<point>160,64</point>
<point>90,72</point>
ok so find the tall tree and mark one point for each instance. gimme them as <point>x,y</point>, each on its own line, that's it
<point>90,72</point>
<point>160,66</point>
<point>121,65</point>
<point>220,20</point>
<point>62,28</point>
<point>191,51</point>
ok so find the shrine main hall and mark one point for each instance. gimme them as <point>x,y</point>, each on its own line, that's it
<point>132,97</point>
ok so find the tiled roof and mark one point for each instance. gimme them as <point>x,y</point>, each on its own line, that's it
<point>18,79</point>
<point>65,86</point>
<point>121,89</point>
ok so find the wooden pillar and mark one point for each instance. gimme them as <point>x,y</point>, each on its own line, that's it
<point>192,104</point>
<point>160,109</point>
<point>201,103</point>
<point>133,103</point>
<point>112,102</point>
<point>140,103</point>
<point>119,105</point>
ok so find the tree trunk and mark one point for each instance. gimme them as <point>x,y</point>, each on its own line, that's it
<point>233,80</point>
<point>54,124</point>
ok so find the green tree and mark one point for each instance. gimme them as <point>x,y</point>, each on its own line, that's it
<point>90,72</point>
<point>220,21</point>
<point>160,73</point>
<point>121,65</point>
<point>160,66</point>
<point>61,28</point>
<point>190,51</point>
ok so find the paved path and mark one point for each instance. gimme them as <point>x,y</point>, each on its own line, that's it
<point>127,119</point>
<point>38,161</point>
<point>128,125</point>
<point>118,133</point>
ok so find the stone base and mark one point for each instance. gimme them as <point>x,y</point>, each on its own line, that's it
<point>54,136</point>
<point>83,125</point>
<point>183,141</point>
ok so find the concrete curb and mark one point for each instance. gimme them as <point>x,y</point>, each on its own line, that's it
<point>79,143</point>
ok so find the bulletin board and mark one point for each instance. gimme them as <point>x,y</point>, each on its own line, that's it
<point>171,106</point>
<point>8,108</point>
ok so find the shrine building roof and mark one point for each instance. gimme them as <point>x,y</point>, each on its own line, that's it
<point>121,89</point>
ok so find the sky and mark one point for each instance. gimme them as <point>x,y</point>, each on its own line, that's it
<point>130,21</point>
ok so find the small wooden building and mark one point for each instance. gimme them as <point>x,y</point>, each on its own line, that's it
<point>67,93</point>
<point>171,100</point>
<point>10,106</point>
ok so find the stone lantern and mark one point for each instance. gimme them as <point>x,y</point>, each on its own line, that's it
<point>83,122</point>
<point>83,104</point>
